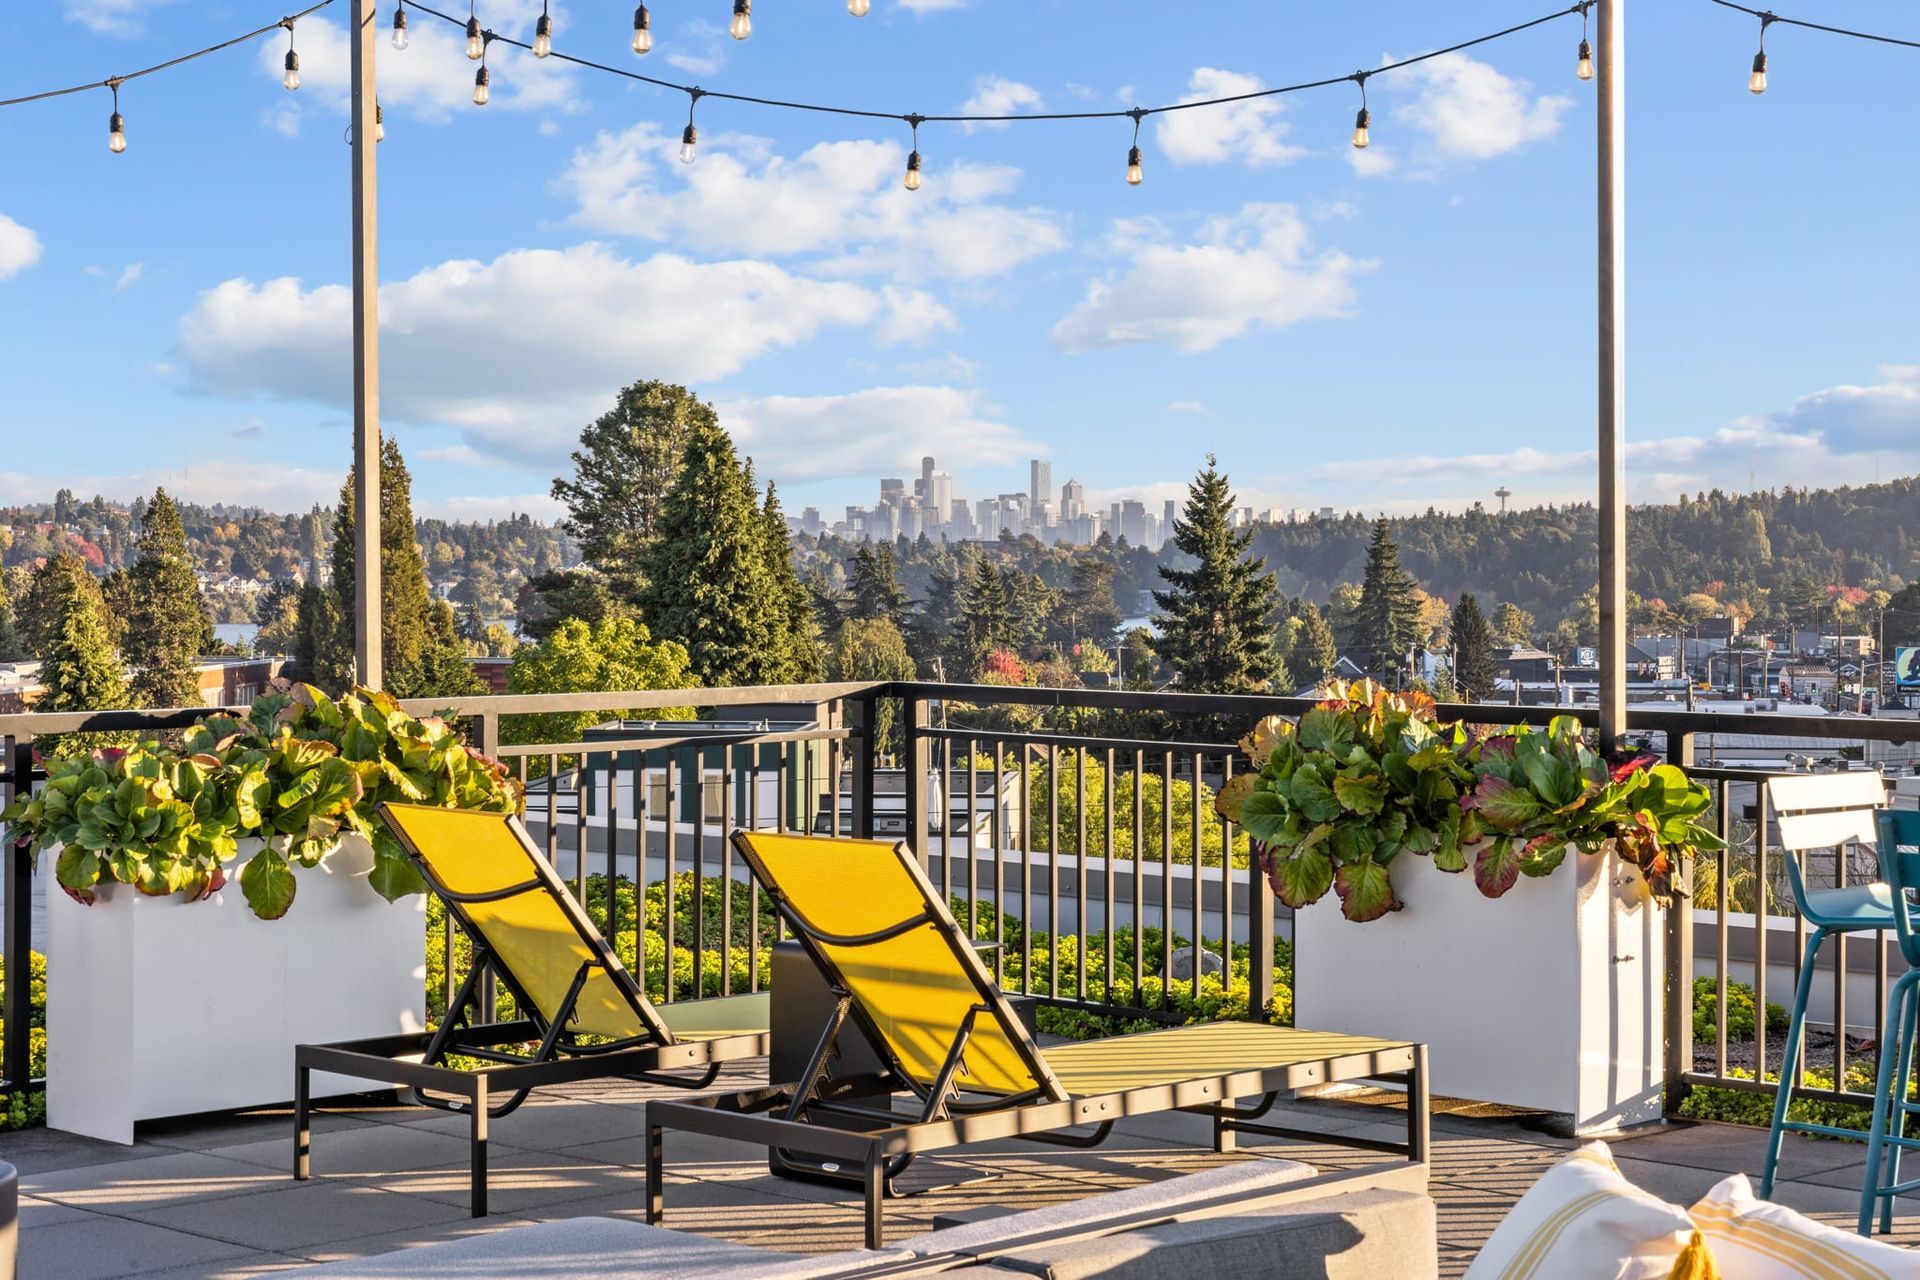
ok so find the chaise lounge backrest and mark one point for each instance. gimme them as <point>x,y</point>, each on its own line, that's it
<point>503,893</point>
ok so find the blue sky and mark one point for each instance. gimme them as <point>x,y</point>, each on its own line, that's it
<point>1408,327</point>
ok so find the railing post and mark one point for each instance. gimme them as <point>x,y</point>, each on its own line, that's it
<point>1679,985</point>
<point>918,758</point>
<point>1260,981</point>
<point>483,733</point>
<point>16,1054</point>
<point>862,715</point>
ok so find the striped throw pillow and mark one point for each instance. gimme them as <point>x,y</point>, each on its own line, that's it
<point>1754,1239</point>
<point>1584,1221</point>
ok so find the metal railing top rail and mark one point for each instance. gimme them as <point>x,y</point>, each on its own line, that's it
<point>683,742</point>
<point>510,704</point>
<point>1249,705</point>
<point>1073,740</point>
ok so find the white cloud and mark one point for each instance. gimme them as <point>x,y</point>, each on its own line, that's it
<point>1375,161</point>
<point>129,276</point>
<point>516,352</point>
<point>19,247</point>
<point>1188,406</point>
<point>997,96</point>
<point>949,366</point>
<point>913,317</point>
<point>1469,111</point>
<point>111,17</point>
<point>1249,132</point>
<point>840,199</point>
<point>211,478</point>
<point>1255,269</point>
<point>1860,419</point>
<point>931,6</point>
<point>432,78</point>
<point>803,438</point>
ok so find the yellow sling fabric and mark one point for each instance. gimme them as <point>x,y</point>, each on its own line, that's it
<point>531,933</point>
<point>914,987</point>
<point>1152,1058</point>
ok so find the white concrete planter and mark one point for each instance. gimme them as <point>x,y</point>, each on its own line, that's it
<point>1548,998</point>
<point>161,1007</point>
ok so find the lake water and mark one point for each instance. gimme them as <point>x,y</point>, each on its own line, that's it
<point>236,633</point>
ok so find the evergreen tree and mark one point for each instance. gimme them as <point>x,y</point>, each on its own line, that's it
<point>279,619</point>
<point>983,616</point>
<point>405,605</point>
<point>79,670</point>
<point>167,626</point>
<point>937,636</point>
<point>832,602</point>
<point>1090,610</point>
<point>1387,622</point>
<point>116,595</point>
<point>1472,667</point>
<point>1214,630</point>
<point>794,631</point>
<point>443,670</point>
<point>549,599</point>
<point>1313,654</point>
<point>626,464</point>
<point>708,583</point>
<point>876,589</point>
<point>12,647</point>
<point>874,649</point>
<point>316,638</point>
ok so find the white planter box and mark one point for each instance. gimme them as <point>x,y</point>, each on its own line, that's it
<point>161,1007</point>
<point>1548,998</point>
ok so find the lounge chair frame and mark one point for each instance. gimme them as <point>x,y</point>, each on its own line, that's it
<point>418,1062</point>
<point>848,1141</point>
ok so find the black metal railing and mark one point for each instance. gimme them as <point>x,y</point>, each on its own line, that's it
<point>1072,827</point>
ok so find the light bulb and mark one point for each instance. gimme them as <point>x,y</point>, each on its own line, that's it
<point>687,139</point>
<point>476,43</point>
<point>292,78</point>
<point>1757,82</point>
<point>480,93</point>
<point>1584,69</point>
<point>116,134</point>
<point>1134,176</point>
<point>642,30</point>
<point>859,8</point>
<point>379,124</point>
<point>742,25</point>
<point>543,37</point>
<point>913,171</point>
<point>399,28</point>
<point>1360,130</point>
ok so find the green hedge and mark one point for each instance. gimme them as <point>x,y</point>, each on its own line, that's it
<point>1706,1001</point>
<point>27,1108</point>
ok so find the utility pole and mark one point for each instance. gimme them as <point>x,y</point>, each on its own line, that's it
<point>366,350</point>
<point>1610,152</point>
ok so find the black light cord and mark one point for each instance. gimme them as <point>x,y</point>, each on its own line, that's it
<point>1580,8</point>
<point>113,82</point>
<point>1768,18</point>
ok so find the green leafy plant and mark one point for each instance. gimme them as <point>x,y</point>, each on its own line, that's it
<point>1539,793</point>
<point>1365,776</point>
<point>298,772</point>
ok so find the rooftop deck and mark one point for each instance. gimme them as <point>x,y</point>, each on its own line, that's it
<point>213,1197</point>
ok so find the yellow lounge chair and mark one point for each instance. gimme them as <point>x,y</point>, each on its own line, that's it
<point>903,971</point>
<point>577,1004</point>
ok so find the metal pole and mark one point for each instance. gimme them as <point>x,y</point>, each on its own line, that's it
<point>366,353</point>
<point>1611,152</point>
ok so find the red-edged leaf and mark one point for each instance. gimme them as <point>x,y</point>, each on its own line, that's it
<point>1496,867</point>
<point>1365,891</point>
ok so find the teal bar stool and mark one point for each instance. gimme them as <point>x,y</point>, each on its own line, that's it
<point>1900,862</point>
<point>1820,811</point>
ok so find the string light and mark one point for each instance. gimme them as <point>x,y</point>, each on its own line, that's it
<point>543,33</point>
<point>742,25</point>
<point>482,86</point>
<point>1584,67</point>
<point>476,39</point>
<point>1135,176</point>
<point>1767,18</point>
<point>1361,121</point>
<point>859,8</point>
<point>116,127</point>
<point>913,156</point>
<point>379,124</point>
<point>400,26</point>
<point>1757,80</point>
<point>292,77</point>
<point>642,31</point>
<point>690,135</point>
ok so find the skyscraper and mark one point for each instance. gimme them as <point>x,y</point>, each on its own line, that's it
<point>1039,483</point>
<point>1073,500</point>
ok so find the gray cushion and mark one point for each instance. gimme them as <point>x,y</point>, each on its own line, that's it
<point>603,1248</point>
<point>1241,1178</point>
<point>1361,1235</point>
